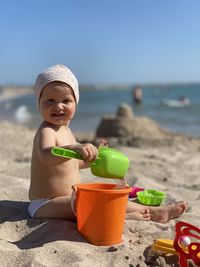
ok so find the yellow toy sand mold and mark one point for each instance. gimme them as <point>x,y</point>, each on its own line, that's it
<point>164,245</point>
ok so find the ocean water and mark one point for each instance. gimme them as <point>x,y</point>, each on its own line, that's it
<point>160,103</point>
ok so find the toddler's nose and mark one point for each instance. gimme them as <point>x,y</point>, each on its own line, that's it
<point>59,106</point>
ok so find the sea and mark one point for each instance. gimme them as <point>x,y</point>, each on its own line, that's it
<point>161,103</point>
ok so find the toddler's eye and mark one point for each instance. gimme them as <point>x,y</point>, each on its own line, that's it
<point>50,101</point>
<point>66,100</point>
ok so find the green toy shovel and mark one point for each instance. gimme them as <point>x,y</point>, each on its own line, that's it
<point>110,163</point>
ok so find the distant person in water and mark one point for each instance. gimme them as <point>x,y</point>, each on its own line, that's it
<point>185,100</point>
<point>137,95</point>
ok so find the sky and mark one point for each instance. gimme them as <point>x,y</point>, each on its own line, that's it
<point>102,42</point>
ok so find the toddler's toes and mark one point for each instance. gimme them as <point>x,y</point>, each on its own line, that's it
<point>146,214</point>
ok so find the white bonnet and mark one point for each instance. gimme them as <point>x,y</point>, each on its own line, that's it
<point>56,73</point>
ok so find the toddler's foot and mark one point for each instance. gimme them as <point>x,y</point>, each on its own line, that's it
<point>142,215</point>
<point>165,213</point>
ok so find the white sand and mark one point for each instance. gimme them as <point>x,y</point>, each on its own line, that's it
<point>8,93</point>
<point>29,242</point>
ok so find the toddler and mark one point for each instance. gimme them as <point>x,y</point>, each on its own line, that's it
<point>52,178</point>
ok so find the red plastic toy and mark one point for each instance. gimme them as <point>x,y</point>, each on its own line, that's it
<point>184,244</point>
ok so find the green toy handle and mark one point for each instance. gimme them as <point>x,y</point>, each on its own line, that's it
<point>66,153</point>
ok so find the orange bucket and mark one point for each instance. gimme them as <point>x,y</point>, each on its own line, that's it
<point>101,212</point>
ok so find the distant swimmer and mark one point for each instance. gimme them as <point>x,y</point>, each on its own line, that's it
<point>183,101</point>
<point>137,94</point>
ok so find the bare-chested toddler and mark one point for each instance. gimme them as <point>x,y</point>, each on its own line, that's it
<point>52,178</point>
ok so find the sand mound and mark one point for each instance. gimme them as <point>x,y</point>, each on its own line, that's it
<point>125,128</point>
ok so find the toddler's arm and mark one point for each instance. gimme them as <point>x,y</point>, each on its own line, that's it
<point>46,139</point>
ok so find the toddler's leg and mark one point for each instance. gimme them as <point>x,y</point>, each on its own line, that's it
<point>160,214</point>
<point>142,215</point>
<point>165,213</point>
<point>58,207</point>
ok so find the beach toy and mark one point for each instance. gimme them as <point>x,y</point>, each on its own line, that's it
<point>101,212</point>
<point>185,244</point>
<point>110,163</point>
<point>151,197</point>
<point>134,191</point>
<point>164,245</point>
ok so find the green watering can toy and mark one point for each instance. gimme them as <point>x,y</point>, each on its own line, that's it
<point>110,163</point>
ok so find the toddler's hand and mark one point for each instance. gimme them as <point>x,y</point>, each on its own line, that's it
<point>88,151</point>
<point>102,142</point>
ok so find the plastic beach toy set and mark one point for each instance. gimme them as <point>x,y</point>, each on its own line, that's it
<point>101,208</point>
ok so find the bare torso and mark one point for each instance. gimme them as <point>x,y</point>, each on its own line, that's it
<point>49,180</point>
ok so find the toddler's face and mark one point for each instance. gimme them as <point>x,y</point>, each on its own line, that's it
<point>57,103</point>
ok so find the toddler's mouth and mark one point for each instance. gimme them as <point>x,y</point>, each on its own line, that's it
<point>57,114</point>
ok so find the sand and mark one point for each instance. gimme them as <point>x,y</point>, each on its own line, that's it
<point>13,92</point>
<point>173,168</point>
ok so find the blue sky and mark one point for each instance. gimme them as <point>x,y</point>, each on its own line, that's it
<point>104,42</point>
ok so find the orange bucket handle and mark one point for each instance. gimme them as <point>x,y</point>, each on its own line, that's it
<point>73,199</point>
